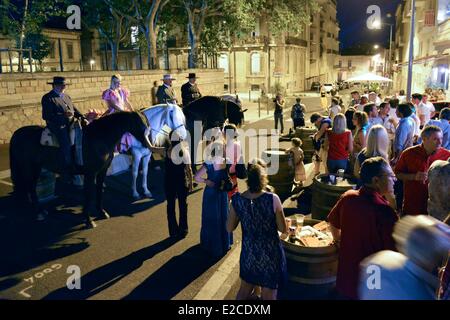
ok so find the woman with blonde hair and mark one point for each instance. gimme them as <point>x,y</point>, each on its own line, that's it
<point>117,96</point>
<point>260,213</point>
<point>339,142</point>
<point>377,146</point>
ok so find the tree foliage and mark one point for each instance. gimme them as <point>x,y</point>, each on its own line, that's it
<point>288,15</point>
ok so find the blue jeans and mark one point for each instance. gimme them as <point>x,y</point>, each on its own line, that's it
<point>335,165</point>
<point>279,117</point>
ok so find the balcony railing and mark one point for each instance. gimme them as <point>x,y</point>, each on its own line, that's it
<point>296,41</point>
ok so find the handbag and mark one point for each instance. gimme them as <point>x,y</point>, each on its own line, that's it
<point>226,184</point>
<point>241,170</point>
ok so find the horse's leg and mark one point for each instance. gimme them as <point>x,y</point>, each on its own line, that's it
<point>37,210</point>
<point>99,193</point>
<point>145,161</point>
<point>135,170</point>
<point>89,189</point>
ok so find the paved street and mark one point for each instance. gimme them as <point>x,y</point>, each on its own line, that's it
<point>126,257</point>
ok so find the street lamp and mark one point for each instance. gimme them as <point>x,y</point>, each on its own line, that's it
<point>92,62</point>
<point>376,46</point>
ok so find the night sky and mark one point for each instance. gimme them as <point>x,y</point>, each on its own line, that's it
<point>352,18</point>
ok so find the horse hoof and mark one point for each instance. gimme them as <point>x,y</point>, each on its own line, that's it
<point>148,195</point>
<point>136,196</point>
<point>102,214</point>
<point>90,224</point>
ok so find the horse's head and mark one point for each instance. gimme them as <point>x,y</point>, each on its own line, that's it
<point>176,120</point>
<point>235,114</point>
<point>139,128</point>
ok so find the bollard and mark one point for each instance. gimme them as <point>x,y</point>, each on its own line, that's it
<point>259,107</point>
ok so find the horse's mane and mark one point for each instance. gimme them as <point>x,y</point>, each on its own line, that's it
<point>111,122</point>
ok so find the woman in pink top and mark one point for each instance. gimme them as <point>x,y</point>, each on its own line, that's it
<point>234,153</point>
<point>116,98</point>
<point>339,142</point>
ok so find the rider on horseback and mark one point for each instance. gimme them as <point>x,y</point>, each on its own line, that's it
<point>59,113</point>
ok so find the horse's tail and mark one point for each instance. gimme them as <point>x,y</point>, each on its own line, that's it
<point>17,177</point>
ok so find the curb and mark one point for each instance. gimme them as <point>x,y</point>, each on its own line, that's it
<point>220,283</point>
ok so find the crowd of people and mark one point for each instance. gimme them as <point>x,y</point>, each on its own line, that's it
<point>391,147</point>
<point>398,152</point>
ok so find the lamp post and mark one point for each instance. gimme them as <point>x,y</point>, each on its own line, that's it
<point>378,24</point>
<point>411,50</point>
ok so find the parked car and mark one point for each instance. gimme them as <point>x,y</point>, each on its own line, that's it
<point>327,87</point>
<point>315,86</point>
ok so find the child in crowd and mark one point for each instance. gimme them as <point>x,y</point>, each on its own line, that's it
<point>297,154</point>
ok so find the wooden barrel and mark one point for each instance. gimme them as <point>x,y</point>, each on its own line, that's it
<point>311,270</point>
<point>304,134</point>
<point>45,187</point>
<point>325,195</point>
<point>283,178</point>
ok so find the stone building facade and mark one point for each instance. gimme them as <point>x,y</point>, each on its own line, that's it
<point>20,94</point>
<point>431,45</point>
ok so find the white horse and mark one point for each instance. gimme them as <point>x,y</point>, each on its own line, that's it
<point>162,119</point>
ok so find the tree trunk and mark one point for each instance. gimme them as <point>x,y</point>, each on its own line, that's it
<point>153,37</point>
<point>114,55</point>
<point>193,43</point>
<point>149,49</point>
<point>22,36</point>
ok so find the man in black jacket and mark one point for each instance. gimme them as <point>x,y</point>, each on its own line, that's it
<point>59,113</point>
<point>189,90</point>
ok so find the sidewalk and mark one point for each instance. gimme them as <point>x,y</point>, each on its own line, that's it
<point>259,111</point>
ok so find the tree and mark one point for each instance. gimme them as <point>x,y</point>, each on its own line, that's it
<point>210,23</point>
<point>289,15</point>
<point>146,16</point>
<point>112,25</point>
<point>40,46</point>
<point>20,18</point>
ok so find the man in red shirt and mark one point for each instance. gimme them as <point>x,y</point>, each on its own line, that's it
<point>412,168</point>
<point>362,223</point>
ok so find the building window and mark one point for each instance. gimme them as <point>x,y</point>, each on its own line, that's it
<point>255,63</point>
<point>349,63</point>
<point>223,62</point>
<point>52,50</point>
<point>69,50</point>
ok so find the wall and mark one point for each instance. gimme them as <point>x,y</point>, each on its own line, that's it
<point>20,94</point>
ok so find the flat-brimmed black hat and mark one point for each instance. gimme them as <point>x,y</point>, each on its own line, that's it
<point>58,81</point>
<point>192,76</point>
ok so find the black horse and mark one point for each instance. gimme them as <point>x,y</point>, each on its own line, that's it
<point>28,157</point>
<point>212,112</point>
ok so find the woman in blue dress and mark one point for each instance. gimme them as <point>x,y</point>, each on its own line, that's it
<point>214,237</point>
<point>262,262</point>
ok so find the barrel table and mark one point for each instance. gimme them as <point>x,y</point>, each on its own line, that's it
<point>305,134</point>
<point>325,194</point>
<point>45,188</point>
<point>311,270</point>
<point>282,179</point>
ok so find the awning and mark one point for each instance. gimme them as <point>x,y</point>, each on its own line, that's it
<point>368,77</point>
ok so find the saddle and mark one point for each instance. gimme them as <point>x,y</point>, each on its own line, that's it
<point>48,139</point>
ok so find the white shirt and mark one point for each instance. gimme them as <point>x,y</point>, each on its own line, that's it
<point>334,110</point>
<point>425,110</point>
<point>390,128</point>
<point>373,121</point>
<point>393,114</point>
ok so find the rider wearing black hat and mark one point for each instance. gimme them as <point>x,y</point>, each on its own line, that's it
<point>59,112</point>
<point>189,90</point>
